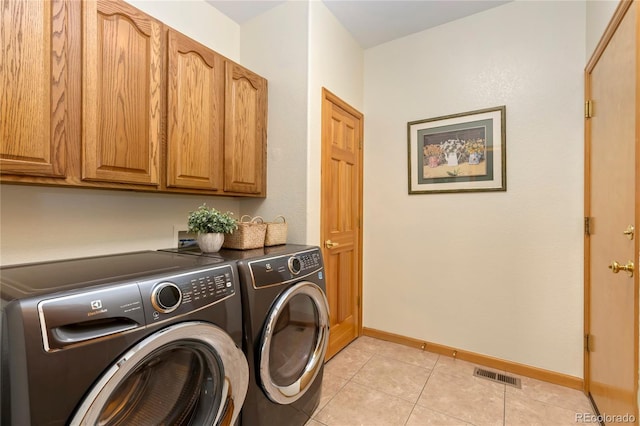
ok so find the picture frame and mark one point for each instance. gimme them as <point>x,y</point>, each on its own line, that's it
<point>463,152</point>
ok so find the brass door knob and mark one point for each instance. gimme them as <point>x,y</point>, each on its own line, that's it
<point>330,244</point>
<point>629,232</point>
<point>616,267</point>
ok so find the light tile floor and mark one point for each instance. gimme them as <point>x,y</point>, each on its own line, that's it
<point>374,382</point>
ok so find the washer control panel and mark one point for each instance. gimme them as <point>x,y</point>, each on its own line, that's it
<point>295,266</point>
<point>166,297</point>
<point>277,270</point>
<point>87,315</point>
<point>183,293</point>
<point>310,260</point>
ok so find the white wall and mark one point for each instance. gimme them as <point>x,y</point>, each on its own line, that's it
<point>493,273</point>
<point>198,20</point>
<point>599,13</point>
<point>299,47</point>
<point>43,223</point>
<point>275,45</point>
<point>336,62</point>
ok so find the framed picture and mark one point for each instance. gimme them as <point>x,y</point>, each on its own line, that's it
<point>458,153</point>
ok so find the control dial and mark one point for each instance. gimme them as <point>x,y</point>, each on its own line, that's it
<point>294,265</point>
<point>166,297</point>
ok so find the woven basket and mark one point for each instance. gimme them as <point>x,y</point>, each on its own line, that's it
<point>249,235</point>
<point>276,232</point>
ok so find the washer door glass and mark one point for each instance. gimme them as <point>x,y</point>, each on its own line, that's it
<point>183,375</point>
<point>294,342</point>
<point>176,385</point>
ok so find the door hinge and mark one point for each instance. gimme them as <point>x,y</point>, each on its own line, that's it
<point>358,301</point>
<point>360,144</point>
<point>587,226</point>
<point>588,109</point>
<point>588,342</point>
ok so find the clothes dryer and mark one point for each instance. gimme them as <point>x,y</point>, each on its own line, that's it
<point>286,330</point>
<point>134,338</point>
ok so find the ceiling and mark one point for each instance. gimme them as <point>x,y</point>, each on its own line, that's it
<point>373,22</point>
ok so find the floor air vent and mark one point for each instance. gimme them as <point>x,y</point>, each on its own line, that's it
<point>497,377</point>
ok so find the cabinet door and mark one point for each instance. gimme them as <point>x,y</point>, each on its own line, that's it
<point>33,87</point>
<point>195,114</point>
<point>245,141</point>
<point>121,98</point>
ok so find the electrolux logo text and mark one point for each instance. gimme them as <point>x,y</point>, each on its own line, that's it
<point>96,308</point>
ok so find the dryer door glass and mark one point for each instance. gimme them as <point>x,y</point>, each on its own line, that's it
<point>294,342</point>
<point>187,374</point>
<point>294,339</point>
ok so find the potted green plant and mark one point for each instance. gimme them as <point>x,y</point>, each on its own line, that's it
<point>210,225</point>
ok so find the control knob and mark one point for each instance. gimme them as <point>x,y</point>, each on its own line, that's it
<point>166,297</point>
<point>294,265</point>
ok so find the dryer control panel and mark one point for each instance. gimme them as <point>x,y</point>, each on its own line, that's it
<point>281,269</point>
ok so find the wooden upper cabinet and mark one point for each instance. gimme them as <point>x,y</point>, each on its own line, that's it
<point>34,122</point>
<point>96,93</point>
<point>245,141</point>
<point>195,114</point>
<point>121,96</point>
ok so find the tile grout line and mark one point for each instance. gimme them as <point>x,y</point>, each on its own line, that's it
<point>410,413</point>
<point>404,362</point>
<point>504,390</point>
<point>440,361</point>
<point>504,407</point>
<point>373,355</point>
<point>431,408</point>
<point>422,390</point>
<point>313,417</point>
<point>346,383</point>
<point>395,360</point>
<point>384,393</point>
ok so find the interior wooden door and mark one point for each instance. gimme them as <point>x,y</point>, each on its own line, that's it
<point>195,114</point>
<point>121,97</point>
<point>611,367</point>
<point>341,218</point>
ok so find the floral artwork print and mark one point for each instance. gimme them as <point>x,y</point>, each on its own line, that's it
<point>457,153</point>
<point>462,152</point>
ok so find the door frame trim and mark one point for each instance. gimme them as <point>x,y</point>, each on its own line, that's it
<point>608,34</point>
<point>331,97</point>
